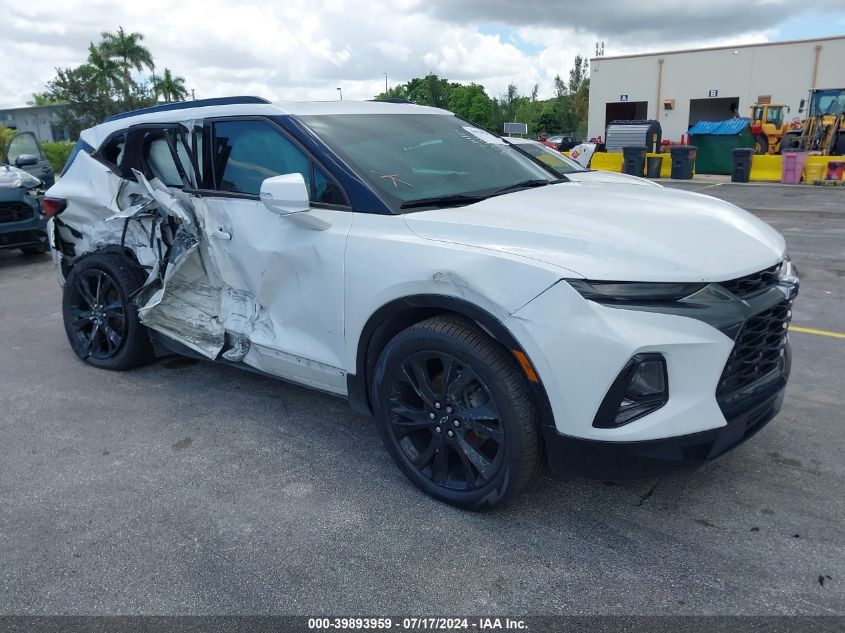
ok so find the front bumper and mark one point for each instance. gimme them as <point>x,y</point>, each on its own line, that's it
<point>573,456</point>
<point>727,362</point>
<point>31,231</point>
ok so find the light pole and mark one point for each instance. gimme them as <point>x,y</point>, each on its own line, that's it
<point>385,84</point>
<point>340,92</point>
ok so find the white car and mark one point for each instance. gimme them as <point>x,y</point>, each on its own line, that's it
<point>492,315</point>
<point>573,170</point>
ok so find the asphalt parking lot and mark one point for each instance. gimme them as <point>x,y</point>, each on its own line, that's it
<point>186,488</point>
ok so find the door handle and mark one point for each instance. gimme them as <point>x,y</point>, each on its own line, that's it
<point>220,234</point>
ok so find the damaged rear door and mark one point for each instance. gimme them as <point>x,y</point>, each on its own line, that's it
<point>182,295</point>
<point>281,278</point>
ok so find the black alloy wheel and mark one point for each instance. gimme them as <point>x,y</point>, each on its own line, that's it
<point>455,413</point>
<point>446,421</point>
<point>100,318</point>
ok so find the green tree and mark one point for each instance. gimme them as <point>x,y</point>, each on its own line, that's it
<point>6,135</point>
<point>582,107</point>
<point>529,112</point>
<point>88,102</point>
<point>399,91</point>
<point>103,86</point>
<point>105,72</point>
<point>471,102</point>
<point>41,99</point>
<point>561,89</point>
<point>130,53</point>
<point>170,87</point>
<point>577,75</point>
<point>507,105</point>
<point>430,90</point>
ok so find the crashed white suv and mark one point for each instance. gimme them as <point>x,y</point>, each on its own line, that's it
<point>490,314</point>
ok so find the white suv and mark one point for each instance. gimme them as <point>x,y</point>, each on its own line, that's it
<point>490,314</point>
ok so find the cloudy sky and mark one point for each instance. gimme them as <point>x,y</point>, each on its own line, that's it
<point>306,49</point>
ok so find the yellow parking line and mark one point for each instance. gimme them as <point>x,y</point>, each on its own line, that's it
<point>807,330</point>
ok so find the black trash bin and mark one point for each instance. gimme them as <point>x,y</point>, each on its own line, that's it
<point>653,166</point>
<point>741,164</point>
<point>634,160</point>
<point>683,161</point>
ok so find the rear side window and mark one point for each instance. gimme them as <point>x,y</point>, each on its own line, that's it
<point>166,156</point>
<point>111,152</point>
<point>245,153</point>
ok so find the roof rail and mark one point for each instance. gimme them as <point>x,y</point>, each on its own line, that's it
<point>181,105</point>
<point>390,101</point>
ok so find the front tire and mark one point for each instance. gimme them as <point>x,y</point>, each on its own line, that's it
<point>101,321</point>
<point>455,413</point>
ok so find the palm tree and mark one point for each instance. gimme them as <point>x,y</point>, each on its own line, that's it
<point>105,72</point>
<point>170,87</point>
<point>127,48</point>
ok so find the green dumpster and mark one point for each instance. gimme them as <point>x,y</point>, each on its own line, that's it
<point>716,141</point>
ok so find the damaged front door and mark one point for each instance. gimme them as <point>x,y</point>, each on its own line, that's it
<point>282,279</point>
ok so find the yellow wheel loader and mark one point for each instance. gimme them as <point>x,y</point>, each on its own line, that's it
<point>824,128</point>
<point>768,126</point>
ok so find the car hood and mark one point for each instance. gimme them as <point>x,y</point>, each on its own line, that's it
<point>15,178</point>
<point>619,232</point>
<point>609,177</point>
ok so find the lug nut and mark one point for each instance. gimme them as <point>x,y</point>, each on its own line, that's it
<point>448,409</point>
<point>431,416</point>
<point>456,423</point>
<point>436,405</point>
<point>450,434</point>
<point>437,429</point>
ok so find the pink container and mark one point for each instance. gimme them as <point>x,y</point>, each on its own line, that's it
<point>793,165</point>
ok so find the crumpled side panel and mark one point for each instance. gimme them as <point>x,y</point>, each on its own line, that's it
<point>183,296</point>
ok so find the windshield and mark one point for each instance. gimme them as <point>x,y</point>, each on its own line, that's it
<point>413,157</point>
<point>554,159</point>
<point>828,102</point>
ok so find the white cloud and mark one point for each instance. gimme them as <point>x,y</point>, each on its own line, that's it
<point>305,49</point>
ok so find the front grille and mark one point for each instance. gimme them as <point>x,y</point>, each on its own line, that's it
<point>753,283</point>
<point>758,349</point>
<point>15,211</point>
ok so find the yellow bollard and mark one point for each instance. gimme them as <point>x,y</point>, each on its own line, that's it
<point>607,162</point>
<point>814,168</point>
<point>766,168</point>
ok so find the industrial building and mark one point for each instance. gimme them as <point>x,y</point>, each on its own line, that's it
<point>43,121</point>
<point>681,88</point>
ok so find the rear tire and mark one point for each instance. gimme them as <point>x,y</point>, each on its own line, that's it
<point>101,321</point>
<point>455,413</point>
<point>790,140</point>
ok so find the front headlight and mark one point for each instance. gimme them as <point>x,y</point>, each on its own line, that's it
<point>634,291</point>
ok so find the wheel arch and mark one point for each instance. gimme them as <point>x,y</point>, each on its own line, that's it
<point>395,316</point>
<point>110,249</point>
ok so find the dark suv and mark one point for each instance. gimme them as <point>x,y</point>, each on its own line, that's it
<point>24,175</point>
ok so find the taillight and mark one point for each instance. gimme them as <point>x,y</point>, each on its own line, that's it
<point>51,207</point>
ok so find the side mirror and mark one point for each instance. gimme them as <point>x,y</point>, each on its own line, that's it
<point>285,194</point>
<point>26,160</point>
<point>801,106</point>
